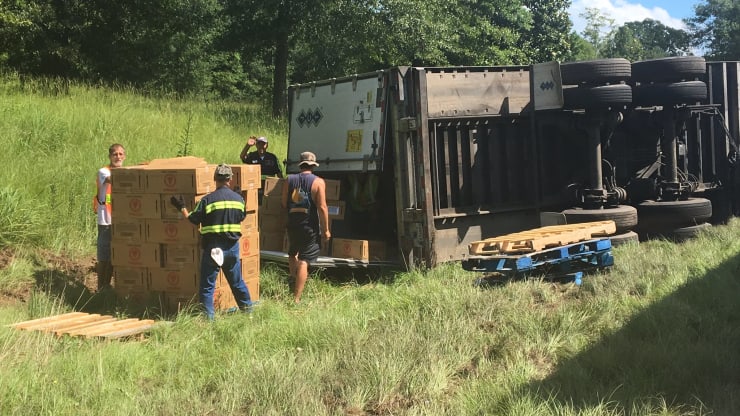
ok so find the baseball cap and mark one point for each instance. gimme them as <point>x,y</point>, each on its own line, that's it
<point>222,172</point>
<point>308,158</point>
<point>262,139</point>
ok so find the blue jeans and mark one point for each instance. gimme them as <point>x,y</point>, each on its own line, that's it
<point>104,239</point>
<point>232,268</point>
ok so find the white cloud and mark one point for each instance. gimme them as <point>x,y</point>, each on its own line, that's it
<point>621,12</point>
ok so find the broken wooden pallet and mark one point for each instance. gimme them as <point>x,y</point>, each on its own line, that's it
<point>87,325</point>
<point>541,238</point>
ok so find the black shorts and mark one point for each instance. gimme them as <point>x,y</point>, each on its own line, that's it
<point>304,241</point>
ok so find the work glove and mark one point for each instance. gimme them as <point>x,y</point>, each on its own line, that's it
<point>177,202</point>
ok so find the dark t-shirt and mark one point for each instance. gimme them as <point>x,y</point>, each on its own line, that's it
<point>269,163</point>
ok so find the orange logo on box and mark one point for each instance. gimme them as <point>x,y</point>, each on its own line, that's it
<point>134,254</point>
<point>170,180</point>
<point>134,205</point>
<point>245,246</point>
<point>347,248</point>
<point>173,278</point>
<point>170,230</point>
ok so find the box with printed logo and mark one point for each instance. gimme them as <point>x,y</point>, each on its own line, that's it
<point>249,244</point>
<point>128,229</point>
<point>126,180</point>
<point>170,212</point>
<point>174,279</point>
<point>171,232</point>
<point>181,255</point>
<point>184,180</point>
<point>131,278</point>
<point>135,254</point>
<point>132,206</point>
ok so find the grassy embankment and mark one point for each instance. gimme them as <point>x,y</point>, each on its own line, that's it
<point>658,334</point>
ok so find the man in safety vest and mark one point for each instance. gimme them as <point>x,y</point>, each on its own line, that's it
<point>104,268</point>
<point>219,215</point>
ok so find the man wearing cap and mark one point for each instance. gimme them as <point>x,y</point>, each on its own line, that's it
<point>219,215</point>
<point>268,161</point>
<point>308,219</point>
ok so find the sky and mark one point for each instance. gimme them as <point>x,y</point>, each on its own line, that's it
<point>668,12</point>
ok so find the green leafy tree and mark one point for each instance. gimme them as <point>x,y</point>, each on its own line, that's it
<point>580,49</point>
<point>647,39</point>
<point>597,30</point>
<point>548,36</point>
<point>716,28</point>
<point>165,45</point>
<point>42,37</point>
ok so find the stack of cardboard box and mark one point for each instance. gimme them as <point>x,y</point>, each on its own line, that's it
<point>273,219</point>
<point>154,251</point>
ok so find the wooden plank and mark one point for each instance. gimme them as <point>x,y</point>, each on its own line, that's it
<point>88,325</point>
<point>102,328</point>
<point>30,324</point>
<point>129,331</point>
<point>102,320</point>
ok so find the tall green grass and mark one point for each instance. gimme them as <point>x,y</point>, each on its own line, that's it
<point>55,135</point>
<point>656,334</point>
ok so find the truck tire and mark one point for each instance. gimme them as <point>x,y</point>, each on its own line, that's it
<point>624,216</point>
<point>600,71</point>
<point>660,217</point>
<point>624,238</point>
<point>671,69</point>
<point>600,97</point>
<point>685,233</point>
<point>686,92</point>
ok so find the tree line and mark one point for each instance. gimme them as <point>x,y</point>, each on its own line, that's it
<point>252,49</point>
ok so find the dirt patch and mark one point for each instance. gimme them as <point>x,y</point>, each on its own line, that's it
<point>78,270</point>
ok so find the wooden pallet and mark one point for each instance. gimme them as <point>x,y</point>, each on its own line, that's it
<point>87,325</point>
<point>541,238</point>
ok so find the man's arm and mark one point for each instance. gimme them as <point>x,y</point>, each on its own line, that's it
<point>319,198</point>
<point>245,150</point>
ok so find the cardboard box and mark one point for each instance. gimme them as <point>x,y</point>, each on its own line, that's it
<point>183,180</point>
<point>272,241</point>
<point>250,267</point>
<point>357,249</point>
<point>135,254</point>
<point>181,256</point>
<point>250,223</point>
<point>246,177</point>
<point>336,209</point>
<point>171,232</point>
<point>273,223</point>
<point>253,285</point>
<point>128,229</point>
<point>174,302</point>
<point>332,189</point>
<point>272,205</point>
<point>251,199</point>
<point>273,186</point>
<point>138,296</point>
<point>223,299</point>
<point>169,212</point>
<point>249,244</point>
<point>131,278</point>
<point>172,162</point>
<point>126,180</point>
<point>135,206</point>
<point>180,280</point>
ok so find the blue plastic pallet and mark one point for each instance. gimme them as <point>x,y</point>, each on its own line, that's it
<point>568,260</point>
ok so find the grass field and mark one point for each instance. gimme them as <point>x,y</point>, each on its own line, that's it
<point>656,334</point>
